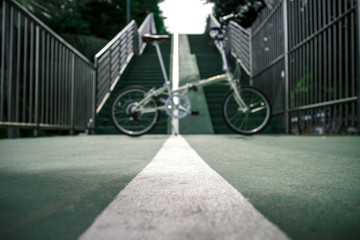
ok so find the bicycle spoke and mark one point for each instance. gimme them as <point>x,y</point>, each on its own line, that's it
<point>119,109</point>
<point>234,116</point>
<point>126,120</point>
<point>243,121</point>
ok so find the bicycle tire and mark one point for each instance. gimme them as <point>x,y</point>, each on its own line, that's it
<point>133,123</point>
<point>254,120</point>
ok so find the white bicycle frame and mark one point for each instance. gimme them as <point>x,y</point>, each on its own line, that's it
<point>166,89</point>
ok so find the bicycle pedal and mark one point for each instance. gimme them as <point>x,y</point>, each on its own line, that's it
<point>194,113</point>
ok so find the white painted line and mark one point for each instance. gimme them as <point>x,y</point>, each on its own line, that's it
<point>175,76</point>
<point>178,196</point>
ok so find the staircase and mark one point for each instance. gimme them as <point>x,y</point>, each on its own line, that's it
<point>210,64</point>
<point>142,71</point>
<point>145,71</point>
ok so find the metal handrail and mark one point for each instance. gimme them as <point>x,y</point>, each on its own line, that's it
<point>112,60</point>
<point>148,26</point>
<point>237,42</point>
<point>26,12</point>
<point>305,65</point>
<point>115,39</point>
<point>304,59</point>
<point>45,82</point>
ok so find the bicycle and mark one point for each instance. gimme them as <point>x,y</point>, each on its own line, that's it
<point>135,110</point>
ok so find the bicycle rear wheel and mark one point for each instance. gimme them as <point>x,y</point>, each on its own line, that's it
<point>249,121</point>
<point>129,121</point>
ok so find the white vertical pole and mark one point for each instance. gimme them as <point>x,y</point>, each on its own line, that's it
<point>175,76</point>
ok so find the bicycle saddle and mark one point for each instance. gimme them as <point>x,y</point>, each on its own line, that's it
<point>150,37</point>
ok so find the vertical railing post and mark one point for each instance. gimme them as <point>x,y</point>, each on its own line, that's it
<point>9,59</point>
<point>2,95</point>
<point>72,118</point>
<point>228,45</point>
<point>286,59</point>
<point>251,58</point>
<point>37,52</point>
<point>358,62</point>
<point>11,84</point>
<point>95,79</point>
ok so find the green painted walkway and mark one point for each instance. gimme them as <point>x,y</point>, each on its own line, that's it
<point>308,186</point>
<point>52,188</point>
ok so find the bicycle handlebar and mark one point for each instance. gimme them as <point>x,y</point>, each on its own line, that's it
<point>225,18</point>
<point>218,31</point>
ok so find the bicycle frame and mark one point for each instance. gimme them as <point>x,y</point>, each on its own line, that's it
<point>166,89</point>
<point>135,110</point>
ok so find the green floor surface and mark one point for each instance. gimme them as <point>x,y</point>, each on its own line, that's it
<point>308,186</point>
<point>53,188</point>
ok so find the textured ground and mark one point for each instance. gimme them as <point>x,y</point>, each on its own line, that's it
<point>53,188</point>
<point>307,185</point>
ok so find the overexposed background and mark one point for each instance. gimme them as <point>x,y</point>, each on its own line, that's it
<point>185,16</point>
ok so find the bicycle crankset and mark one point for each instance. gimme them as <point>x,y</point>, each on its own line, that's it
<point>177,105</point>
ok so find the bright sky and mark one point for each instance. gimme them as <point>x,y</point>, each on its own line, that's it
<point>185,16</point>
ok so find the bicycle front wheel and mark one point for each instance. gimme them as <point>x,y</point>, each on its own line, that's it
<point>248,120</point>
<point>127,119</point>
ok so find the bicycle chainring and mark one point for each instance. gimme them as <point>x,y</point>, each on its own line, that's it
<point>177,106</point>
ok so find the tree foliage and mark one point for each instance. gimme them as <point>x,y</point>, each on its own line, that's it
<point>89,24</point>
<point>248,8</point>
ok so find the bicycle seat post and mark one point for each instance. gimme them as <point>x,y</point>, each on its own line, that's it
<point>166,79</point>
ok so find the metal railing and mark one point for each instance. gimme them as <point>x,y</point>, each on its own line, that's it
<point>148,26</point>
<point>45,82</point>
<point>268,66</point>
<point>112,60</point>
<point>304,55</point>
<point>239,40</point>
